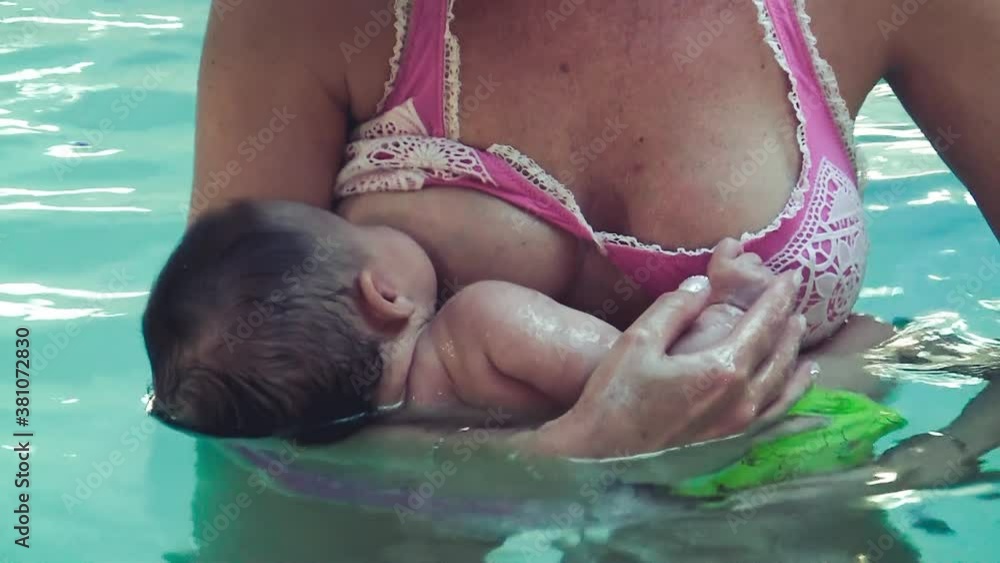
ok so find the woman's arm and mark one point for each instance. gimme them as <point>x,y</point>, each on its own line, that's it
<point>946,70</point>
<point>272,103</point>
<point>640,399</point>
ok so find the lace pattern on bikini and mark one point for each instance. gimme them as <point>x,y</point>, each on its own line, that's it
<point>797,197</point>
<point>531,171</point>
<point>452,77</point>
<point>830,249</point>
<point>403,9</point>
<point>393,153</point>
<point>831,91</point>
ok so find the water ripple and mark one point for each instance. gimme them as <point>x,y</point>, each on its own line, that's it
<point>95,25</point>
<point>22,289</point>
<point>35,206</point>
<point>32,73</point>
<point>7,192</point>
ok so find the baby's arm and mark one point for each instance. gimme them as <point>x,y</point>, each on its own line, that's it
<point>497,340</point>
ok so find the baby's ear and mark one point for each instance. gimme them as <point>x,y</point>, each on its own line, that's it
<point>381,298</point>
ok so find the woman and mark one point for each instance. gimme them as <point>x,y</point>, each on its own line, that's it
<point>650,125</point>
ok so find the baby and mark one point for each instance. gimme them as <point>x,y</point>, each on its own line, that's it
<point>281,319</point>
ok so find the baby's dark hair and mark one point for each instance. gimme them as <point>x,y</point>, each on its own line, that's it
<point>253,328</point>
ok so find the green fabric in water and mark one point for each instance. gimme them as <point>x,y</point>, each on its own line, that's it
<point>854,424</point>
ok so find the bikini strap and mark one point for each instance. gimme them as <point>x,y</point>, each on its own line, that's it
<point>813,78</point>
<point>424,65</point>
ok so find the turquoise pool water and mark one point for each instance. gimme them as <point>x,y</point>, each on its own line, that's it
<point>96,106</point>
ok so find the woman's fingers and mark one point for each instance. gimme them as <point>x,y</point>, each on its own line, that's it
<point>800,382</point>
<point>670,315</point>
<point>755,336</point>
<point>765,387</point>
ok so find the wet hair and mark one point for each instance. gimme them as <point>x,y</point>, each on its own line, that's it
<point>253,329</point>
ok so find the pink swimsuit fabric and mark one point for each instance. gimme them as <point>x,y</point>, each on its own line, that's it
<point>413,143</point>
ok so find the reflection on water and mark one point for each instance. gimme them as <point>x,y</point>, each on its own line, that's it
<point>621,511</point>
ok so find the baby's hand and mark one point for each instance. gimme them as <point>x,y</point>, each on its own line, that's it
<point>737,281</point>
<point>737,278</point>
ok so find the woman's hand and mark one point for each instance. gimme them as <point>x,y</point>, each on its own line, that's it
<point>641,399</point>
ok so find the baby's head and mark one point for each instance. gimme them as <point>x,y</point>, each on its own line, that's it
<point>276,319</point>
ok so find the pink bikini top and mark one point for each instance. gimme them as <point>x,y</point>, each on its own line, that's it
<point>413,142</point>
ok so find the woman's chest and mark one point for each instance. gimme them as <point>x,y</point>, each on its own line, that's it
<point>669,124</point>
<point>473,237</point>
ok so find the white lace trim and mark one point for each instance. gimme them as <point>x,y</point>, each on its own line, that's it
<point>831,91</point>
<point>830,249</point>
<point>797,197</point>
<point>403,9</point>
<point>393,153</point>
<point>452,77</point>
<point>536,175</point>
<point>798,194</point>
